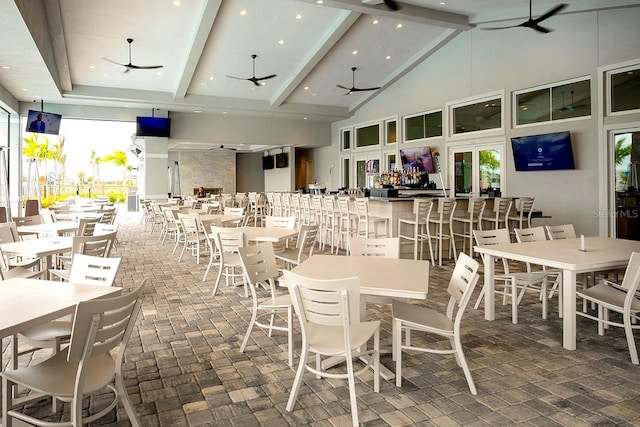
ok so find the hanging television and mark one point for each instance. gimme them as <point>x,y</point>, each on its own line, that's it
<point>420,158</point>
<point>153,126</point>
<point>282,160</point>
<point>268,162</point>
<point>549,151</point>
<point>42,122</point>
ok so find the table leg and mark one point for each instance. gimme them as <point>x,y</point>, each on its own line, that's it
<point>489,288</point>
<point>569,309</point>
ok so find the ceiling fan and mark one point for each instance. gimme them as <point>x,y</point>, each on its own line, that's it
<point>534,23</point>
<point>571,106</point>
<point>222,147</point>
<point>353,87</point>
<point>130,66</point>
<point>255,80</point>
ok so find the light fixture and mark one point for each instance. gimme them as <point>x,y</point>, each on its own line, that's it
<point>306,88</point>
<point>6,67</point>
<point>399,25</point>
<point>91,67</point>
<point>355,52</point>
<point>387,57</point>
<point>211,78</point>
<point>299,16</point>
<point>243,12</point>
<point>319,1</point>
<point>375,21</point>
<point>280,41</point>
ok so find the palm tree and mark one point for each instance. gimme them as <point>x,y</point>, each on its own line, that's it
<point>119,158</point>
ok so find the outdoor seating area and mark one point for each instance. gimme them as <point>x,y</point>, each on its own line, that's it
<point>208,351</point>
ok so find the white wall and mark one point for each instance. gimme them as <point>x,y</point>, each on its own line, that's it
<point>479,62</point>
<point>281,179</point>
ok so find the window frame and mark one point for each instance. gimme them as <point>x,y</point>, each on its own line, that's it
<point>422,113</point>
<point>365,125</point>
<point>385,126</point>
<point>451,106</point>
<point>608,92</point>
<point>342,133</point>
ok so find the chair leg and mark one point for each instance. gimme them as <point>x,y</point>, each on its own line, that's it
<point>514,302</point>
<point>215,287</point>
<point>628,331</point>
<point>352,392</point>
<point>126,402</point>
<point>290,334</point>
<point>252,322</point>
<point>397,348</point>
<point>297,382</point>
<point>463,363</point>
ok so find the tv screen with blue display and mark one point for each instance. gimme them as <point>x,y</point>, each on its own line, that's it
<point>42,122</point>
<point>153,126</point>
<point>550,151</point>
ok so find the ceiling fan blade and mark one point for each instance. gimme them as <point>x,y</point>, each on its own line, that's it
<point>237,78</point>
<point>265,77</point>
<point>550,13</point>
<point>364,89</point>
<point>534,26</point>
<point>343,87</point>
<point>143,67</point>
<point>254,81</point>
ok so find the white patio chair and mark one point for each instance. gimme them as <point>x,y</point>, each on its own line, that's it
<point>329,313</point>
<point>409,317</point>
<point>85,367</point>
<point>260,269</point>
<point>623,299</point>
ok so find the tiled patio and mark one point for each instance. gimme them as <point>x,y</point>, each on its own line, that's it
<point>184,367</point>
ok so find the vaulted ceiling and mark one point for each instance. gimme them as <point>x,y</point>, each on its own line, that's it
<point>64,51</point>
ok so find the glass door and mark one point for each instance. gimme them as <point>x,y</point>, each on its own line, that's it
<point>367,167</point>
<point>476,170</point>
<point>626,158</point>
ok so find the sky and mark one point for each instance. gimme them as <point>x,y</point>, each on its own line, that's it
<point>102,136</point>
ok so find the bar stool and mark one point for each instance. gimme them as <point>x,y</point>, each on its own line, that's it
<point>498,220</point>
<point>421,211</point>
<point>443,231</point>
<point>320,218</point>
<point>364,220</point>
<point>346,223</point>
<point>521,218</point>
<point>331,218</point>
<point>469,222</point>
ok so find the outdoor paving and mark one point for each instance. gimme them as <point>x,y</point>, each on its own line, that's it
<point>183,366</point>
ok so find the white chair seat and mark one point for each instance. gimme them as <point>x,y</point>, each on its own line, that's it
<point>281,301</point>
<point>423,318</point>
<point>48,331</point>
<point>608,296</point>
<point>55,376</point>
<point>20,272</point>
<point>329,340</point>
<point>63,274</point>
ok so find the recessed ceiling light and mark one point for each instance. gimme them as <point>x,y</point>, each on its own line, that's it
<point>319,1</point>
<point>243,12</point>
<point>304,118</point>
<point>6,67</point>
<point>442,3</point>
<point>263,83</point>
<point>375,21</point>
<point>399,25</point>
<point>197,111</point>
<point>25,89</point>
<point>306,88</point>
<point>280,41</point>
<point>299,16</point>
<point>176,3</point>
<point>203,84</point>
<point>224,112</point>
<point>211,78</point>
<point>159,73</point>
<point>387,57</point>
<point>355,52</point>
<point>92,67</point>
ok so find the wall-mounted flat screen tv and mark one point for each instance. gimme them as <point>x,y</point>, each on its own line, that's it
<point>42,122</point>
<point>282,160</point>
<point>420,158</point>
<point>268,162</point>
<point>550,151</point>
<point>153,126</point>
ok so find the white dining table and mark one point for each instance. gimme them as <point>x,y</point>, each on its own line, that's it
<point>601,253</point>
<point>265,234</point>
<point>51,229</point>
<point>38,248</point>
<point>34,302</point>
<point>384,277</point>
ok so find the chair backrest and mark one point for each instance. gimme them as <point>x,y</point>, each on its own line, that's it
<point>8,232</point>
<point>87,226</point>
<point>48,216</point>
<point>461,285</point>
<point>288,222</point>
<point>102,229</point>
<point>362,206</point>
<point>307,236</point>
<point>97,245</point>
<point>631,280</point>
<point>388,247</point>
<point>108,214</point>
<point>102,324</point>
<point>525,207</point>
<point>233,211</point>
<point>27,220</point>
<point>92,270</point>
<point>563,231</point>
<point>446,207</point>
<point>422,208</point>
<point>228,239</point>
<point>259,266</point>
<point>329,205</point>
<point>344,206</point>
<point>533,234</point>
<point>324,302</point>
<point>493,237</point>
<point>476,207</point>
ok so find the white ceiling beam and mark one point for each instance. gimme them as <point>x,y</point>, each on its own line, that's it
<point>56,32</point>
<point>408,12</point>
<point>203,29</point>
<point>324,45</point>
<point>439,42</point>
